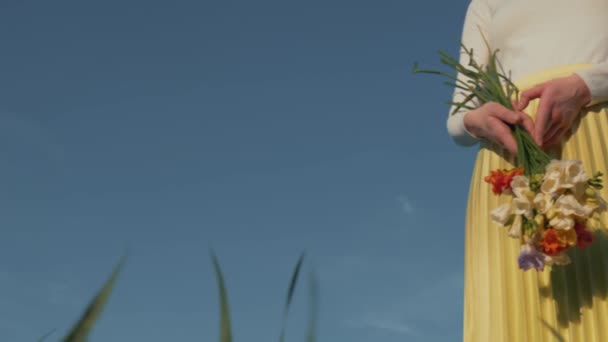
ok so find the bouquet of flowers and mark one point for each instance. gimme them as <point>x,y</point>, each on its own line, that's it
<point>553,203</point>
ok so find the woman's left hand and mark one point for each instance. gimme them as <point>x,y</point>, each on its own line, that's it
<point>561,101</point>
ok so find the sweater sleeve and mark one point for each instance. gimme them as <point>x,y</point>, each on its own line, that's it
<point>596,78</point>
<point>475,29</point>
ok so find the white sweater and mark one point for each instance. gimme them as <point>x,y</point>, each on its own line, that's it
<point>533,35</point>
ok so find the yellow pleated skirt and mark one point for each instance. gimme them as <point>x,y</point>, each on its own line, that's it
<point>561,303</point>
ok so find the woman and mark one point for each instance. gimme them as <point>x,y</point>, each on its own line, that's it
<point>557,53</point>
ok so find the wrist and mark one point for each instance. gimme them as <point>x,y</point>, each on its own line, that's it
<point>582,92</point>
<point>458,132</point>
<point>469,125</point>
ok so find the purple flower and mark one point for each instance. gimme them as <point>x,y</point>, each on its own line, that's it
<point>529,258</point>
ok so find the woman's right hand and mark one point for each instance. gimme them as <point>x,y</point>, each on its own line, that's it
<point>490,122</point>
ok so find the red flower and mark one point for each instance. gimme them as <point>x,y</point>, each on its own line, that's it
<point>501,179</point>
<point>550,243</point>
<point>583,237</point>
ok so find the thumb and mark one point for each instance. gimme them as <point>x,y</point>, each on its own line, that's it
<point>528,95</point>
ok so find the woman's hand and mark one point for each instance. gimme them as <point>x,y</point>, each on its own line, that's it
<point>490,122</point>
<point>561,101</point>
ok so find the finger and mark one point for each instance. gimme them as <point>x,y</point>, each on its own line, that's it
<point>514,103</point>
<point>506,115</point>
<point>556,138</point>
<point>527,122</point>
<point>506,139</point>
<point>542,120</point>
<point>502,135</point>
<point>556,133</point>
<point>552,131</point>
<point>529,95</point>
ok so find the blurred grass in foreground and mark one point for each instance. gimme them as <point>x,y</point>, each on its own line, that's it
<point>82,328</point>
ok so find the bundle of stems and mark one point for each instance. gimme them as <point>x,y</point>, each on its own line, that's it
<point>491,84</point>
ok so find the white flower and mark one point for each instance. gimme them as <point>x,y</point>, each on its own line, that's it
<point>553,169</point>
<point>568,205</point>
<point>595,203</point>
<point>551,185</point>
<point>564,174</point>
<point>574,173</point>
<point>579,190</point>
<point>515,230</point>
<point>562,222</point>
<point>520,185</point>
<point>501,214</point>
<point>543,202</point>
<point>522,206</point>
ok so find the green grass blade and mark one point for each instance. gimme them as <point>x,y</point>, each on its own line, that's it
<point>45,336</point>
<point>290,293</point>
<point>225,329</point>
<point>311,335</point>
<point>81,330</point>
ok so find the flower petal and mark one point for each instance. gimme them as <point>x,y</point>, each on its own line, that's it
<point>501,214</point>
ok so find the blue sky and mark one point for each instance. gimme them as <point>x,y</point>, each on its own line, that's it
<point>259,129</point>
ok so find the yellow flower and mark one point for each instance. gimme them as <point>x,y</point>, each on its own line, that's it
<point>540,221</point>
<point>593,222</point>
<point>566,237</point>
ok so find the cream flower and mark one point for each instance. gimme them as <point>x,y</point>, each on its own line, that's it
<point>574,173</point>
<point>522,206</point>
<point>558,259</point>
<point>553,169</point>
<point>562,222</point>
<point>520,185</point>
<point>568,205</point>
<point>515,230</point>
<point>564,174</point>
<point>501,214</point>
<point>543,202</point>
<point>595,204</point>
<point>579,190</point>
<point>551,185</point>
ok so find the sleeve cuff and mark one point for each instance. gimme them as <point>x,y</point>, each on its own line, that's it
<point>456,129</point>
<point>596,79</point>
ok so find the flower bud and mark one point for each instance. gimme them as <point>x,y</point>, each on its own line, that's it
<point>538,177</point>
<point>551,213</point>
<point>530,195</point>
<point>592,222</point>
<point>592,201</point>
